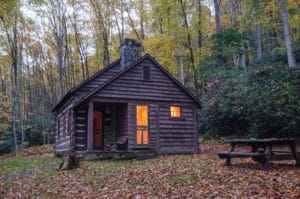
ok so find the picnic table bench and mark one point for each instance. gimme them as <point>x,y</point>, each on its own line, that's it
<point>263,151</point>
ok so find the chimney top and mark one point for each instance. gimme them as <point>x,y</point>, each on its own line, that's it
<point>130,51</point>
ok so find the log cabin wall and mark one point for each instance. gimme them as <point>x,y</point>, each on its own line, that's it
<point>177,135</point>
<point>166,135</point>
<point>63,130</point>
<point>121,120</point>
<point>81,128</point>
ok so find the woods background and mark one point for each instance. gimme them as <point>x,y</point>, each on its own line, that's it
<point>238,56</point>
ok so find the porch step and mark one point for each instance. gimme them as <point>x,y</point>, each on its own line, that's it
<point>145,154</point>
<point>117,155</point>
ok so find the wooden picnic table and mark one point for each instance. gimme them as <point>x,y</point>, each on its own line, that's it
<point>263,151</point>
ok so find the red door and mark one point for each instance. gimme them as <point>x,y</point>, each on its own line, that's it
<point>98,130</point>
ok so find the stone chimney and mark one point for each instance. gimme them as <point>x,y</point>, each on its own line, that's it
<point>130,51</point>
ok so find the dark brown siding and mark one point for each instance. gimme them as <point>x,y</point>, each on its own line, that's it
<point>153,133</point>
<point>122,118</point>
<point>131,125</point>
<point>166,134</point>
<point>177,135</point>
<point>132,86</point>
<point>63,130</point>
<point>98,81</point>
<point>81,129</point>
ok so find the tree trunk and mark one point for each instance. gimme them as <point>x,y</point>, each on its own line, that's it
<point>131,21</point>
<point>179,60</point>
<point>242,47</point>
<point>142,20</point>
<point>217,15</point>
<point>60,63</point>
<point>231,8</point>
<point>190,48</point>
<point>199,24</point>
<point>14,54</point>
<point>258,51</point>
<point>70,161</point>
<point>287,35</point>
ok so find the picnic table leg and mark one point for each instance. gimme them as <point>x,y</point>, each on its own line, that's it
<point>293,147</point>
<point>228,160</point>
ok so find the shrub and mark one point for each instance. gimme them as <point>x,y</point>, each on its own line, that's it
<point>263,102</point>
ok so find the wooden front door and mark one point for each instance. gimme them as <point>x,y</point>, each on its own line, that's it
<point>142,134</point>
<point>98,130</point>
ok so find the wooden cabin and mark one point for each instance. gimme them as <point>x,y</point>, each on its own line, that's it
<point>132,103</point>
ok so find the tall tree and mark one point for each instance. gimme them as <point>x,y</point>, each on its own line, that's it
<point>103,21</point>
<point>10,16</point>
<point>287,35</point>
<point>217,15</point>
<point>189,43</point>
<point>57,17</point>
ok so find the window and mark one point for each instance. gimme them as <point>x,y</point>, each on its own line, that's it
<point>146,73</point>
<point>142,125</point>
<point>175,111</point>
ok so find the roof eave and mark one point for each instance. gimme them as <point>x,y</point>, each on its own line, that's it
<point>67,96</point>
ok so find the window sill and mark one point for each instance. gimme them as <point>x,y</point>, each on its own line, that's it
<point>141,146</point>
<point>177,118</point>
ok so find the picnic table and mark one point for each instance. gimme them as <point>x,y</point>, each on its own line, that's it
<point>263,150</point>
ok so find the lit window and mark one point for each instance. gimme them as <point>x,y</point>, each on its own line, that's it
<point>175,111</point>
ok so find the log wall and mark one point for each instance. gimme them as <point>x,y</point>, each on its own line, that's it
<point>63,130</point>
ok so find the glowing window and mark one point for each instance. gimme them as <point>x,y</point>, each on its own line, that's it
<point>142,115</point>
<point>175,111</point>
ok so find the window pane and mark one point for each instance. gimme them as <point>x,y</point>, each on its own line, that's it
<point>145,137</point>
<point>146,73</point>
<point>142,115</point>
<point>139,137</point>
<point>175,111</point>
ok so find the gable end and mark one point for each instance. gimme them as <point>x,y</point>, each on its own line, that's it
<point>130,95</point>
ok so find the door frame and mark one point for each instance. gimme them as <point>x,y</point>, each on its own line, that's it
<point>146,127</point>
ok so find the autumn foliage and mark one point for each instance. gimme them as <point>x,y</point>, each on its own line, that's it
<point>179,176</point>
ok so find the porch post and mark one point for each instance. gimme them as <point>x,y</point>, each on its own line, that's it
<point>90,126</point>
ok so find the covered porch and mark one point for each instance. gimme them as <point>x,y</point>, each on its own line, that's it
<point>107,127</point>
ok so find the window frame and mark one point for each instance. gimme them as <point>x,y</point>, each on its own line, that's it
<point>180,112</point>
<point>146,77</point>
<point>141,127</point>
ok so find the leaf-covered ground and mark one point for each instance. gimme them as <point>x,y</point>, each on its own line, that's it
<point>31,158</point>
<point>178,176</point>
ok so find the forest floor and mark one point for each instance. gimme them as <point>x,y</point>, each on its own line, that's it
<point>178,176</point>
